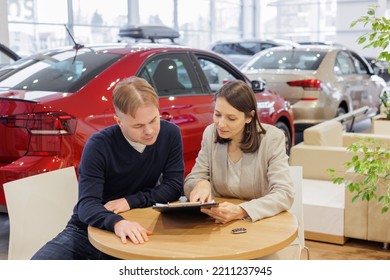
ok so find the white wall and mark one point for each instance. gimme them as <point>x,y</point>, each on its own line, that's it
<point>347,12</point>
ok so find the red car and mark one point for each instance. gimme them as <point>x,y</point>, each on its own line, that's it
<point>52,102</point>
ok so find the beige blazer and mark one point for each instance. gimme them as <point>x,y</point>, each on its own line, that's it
<point>265,175</point>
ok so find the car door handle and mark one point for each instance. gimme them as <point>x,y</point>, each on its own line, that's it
<point>166,116</point>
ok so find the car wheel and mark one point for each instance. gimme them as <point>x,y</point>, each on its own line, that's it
<point>287,135</point>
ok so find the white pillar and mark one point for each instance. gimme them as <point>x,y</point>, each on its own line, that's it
<point>132,12</point>
<point>4,35</point>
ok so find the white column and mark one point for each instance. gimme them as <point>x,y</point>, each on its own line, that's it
<point>4,35</point>
<point>132,12</point>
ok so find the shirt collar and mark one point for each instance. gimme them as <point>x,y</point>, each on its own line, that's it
<point>137,146</point>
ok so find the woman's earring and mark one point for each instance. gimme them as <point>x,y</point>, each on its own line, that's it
<point>247,128</point>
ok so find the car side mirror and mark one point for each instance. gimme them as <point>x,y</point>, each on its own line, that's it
<point>381,64</point>
<point>258,85</point>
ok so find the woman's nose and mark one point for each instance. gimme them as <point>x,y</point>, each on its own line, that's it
<point>221,122</point>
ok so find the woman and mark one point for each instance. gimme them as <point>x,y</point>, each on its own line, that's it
<point>241,158</point>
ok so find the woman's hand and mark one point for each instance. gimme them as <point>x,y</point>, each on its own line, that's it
<point>117,206</point>
<point>225,212</point>
<point>201,192</point>
<point>133,230</point>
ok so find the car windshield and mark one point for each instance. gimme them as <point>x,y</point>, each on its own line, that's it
<point>65,71</point>
<point>288,59</point>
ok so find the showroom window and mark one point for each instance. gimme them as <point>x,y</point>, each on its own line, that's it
<point>95,22</point>
<point>228,21</point>
<point>156,12</point>
<point>32,28</point>
<point>36,25</point>
<point>193,18</point>
<point>25,35</point>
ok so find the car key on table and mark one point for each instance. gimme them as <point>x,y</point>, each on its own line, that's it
<point>238,230</point>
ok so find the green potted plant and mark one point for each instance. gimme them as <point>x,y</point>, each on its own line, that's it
<point>378,37</point>
<point>368,174</point>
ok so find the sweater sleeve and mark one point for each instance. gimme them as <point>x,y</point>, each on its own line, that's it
<point>90,208</point>
<point>281,192</point>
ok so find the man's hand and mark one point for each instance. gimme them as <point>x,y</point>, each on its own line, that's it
<point>225,212</point>
<point>201,192</point>
<point>117,206</point>
<point>133,230</point>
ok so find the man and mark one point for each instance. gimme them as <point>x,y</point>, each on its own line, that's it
<point>132,164</point>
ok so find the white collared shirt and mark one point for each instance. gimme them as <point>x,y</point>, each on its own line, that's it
<point>137,146</point>
<point>233,176</point>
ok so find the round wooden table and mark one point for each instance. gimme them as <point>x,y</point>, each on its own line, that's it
<point>193,235</point>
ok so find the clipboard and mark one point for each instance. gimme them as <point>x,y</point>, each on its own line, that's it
<point>183,206</point>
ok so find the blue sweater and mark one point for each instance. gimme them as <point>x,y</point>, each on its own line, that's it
<point>110,168</point>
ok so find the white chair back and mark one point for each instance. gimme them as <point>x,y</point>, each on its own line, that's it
<point>39,207</point>
<point>297,207</point>
<point>294,250</point>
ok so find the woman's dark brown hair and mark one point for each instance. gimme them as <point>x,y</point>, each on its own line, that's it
<point>239,95</point>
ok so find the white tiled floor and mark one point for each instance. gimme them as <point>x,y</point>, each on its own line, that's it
<point>363,126</point>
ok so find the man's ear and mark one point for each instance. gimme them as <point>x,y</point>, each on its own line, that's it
<point>117,120</point>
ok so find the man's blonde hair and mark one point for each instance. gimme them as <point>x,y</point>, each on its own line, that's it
<point>132,93</point>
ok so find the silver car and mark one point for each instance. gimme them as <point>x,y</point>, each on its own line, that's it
<point>321,82</point>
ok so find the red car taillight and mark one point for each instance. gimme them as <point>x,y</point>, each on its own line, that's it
<point>46,129</point>
<point>45,123</point>
<point>306,84</point>
<point>312,85</point>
